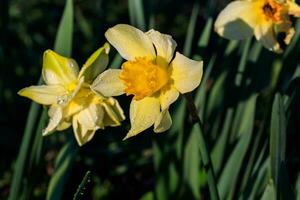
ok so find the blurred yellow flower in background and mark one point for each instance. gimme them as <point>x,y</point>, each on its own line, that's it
<point>262,18</point>
<point>71,100</point>
<point>151,73</point>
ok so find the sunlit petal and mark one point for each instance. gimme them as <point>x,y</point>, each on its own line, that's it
<point>63,125</point>
<point>58,69</point>
<point>294,8</point>
<point>43,94</point>
<point>90,116</point>
<point>264,33</point>
<point>165,46</point>
<point>143,114</point>
<point>95,64</point>
<point>167,96</point>
<point>186,73</point>
<point>82,134</point>
<point>55,114</point>
<point>237,20</point>
<point>109,84</point>
<point>130,41</point>
<point>163,122</point>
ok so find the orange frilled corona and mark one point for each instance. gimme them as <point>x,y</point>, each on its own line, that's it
<point>274,11</point>
<point>143,77</point>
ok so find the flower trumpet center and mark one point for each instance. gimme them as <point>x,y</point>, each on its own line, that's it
<point>273,10</point>
<point>142,77</point>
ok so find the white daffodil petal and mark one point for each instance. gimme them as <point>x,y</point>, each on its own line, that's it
<point>95,64</point>
<point>109,84</point>
<point>167,97</point>
<point>163,122</point>
<point>90,116</point>
<point>130,41</point>
<point>82,134</point>
<point>237,20</point>
<point>58,69</point>
<point>265,34</point>
<point>165,46</point>
<point>43,94</point>
<point>55,114</point>
<point>186,73</point>
<point>143,114</point>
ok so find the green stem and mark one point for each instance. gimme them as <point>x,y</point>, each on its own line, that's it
<point>204,151</point>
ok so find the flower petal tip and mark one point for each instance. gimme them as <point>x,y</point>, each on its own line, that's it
<point>126,137</point>
<point>129,135</point>
<point>106,47</point>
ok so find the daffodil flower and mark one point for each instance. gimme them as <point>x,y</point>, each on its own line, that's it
<point>150,73</point>
<point>262,18</point>
<point>71,100</point>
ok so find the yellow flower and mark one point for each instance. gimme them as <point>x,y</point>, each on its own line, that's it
<point>150,73</point>
<point>71,100</point>
<point>262,18</point>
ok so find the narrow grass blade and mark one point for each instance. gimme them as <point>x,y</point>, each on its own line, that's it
<point>242,64</point>
<point>65,159</point>
<point>64,37</point>
<point>202,91</point>
<point>217,155</point>
<point>206,160</point>
<point>269,192</point>
<point>63,166</point>
<point>297,187</point>
<point>36,150</point>
<point>217,94</point>
<point>136,14</point>
<point>148,196</point>
<point>206,33</point>
<point>23,153</point>
<point>191,163</point>
<point>187,49</point>
<point>278,148</point>
<point>260,180</point>
<point>116,62</point>
<point>229,176</point>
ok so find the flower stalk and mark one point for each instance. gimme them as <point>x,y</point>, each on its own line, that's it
<point>204,150</point>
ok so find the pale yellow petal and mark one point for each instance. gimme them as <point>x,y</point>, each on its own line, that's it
<point>109,84</point>
<point>238,19</point>
<point>130,41</point>
<point>167,96</point>
<point>165,46</point>
<point>58,69</point>
<point>90,117</point>
<point>163,122</point>
<point>55,114</point>
<point>82,134</point>
<point>95,64</point>
<point>186,73</point>
<point>294,8</point>
<point>143,114</point>
<point>63,125</point>
<point>43,94</point>
<point>113,112</point>
<point>264,33</point>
